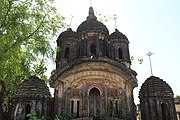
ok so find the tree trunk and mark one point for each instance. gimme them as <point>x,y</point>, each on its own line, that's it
<point>1,110</point>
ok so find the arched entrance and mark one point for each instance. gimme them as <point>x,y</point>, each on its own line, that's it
<point>27,111</point>
<point>94,102</point>
<point>93,48</point>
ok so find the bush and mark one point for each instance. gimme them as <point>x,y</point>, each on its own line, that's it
<point>65,115</point>
<point>33,116</point>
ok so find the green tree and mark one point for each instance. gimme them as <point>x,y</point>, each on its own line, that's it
<point>27,28</point>
<point>125,112</point>
<point>177,96</point>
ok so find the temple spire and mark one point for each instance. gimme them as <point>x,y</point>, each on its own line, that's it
<point>91,14</point>
<point>70,21</point>
<point>149,54</point>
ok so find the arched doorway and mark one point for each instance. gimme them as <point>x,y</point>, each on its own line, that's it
<point>93,48</point>
<point>27,111</point>
<point>120,53</point>
<point>94,102</point>
<point>164,111</point>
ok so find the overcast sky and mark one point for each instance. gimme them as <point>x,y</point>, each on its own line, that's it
<point>150,25</point>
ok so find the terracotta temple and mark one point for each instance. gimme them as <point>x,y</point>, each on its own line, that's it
<point>92,70</point>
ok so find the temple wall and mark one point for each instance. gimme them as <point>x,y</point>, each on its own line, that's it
<point>111,83</point>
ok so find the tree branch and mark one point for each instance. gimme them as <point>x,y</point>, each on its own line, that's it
<point>31,34</point>
<point>9,8</point>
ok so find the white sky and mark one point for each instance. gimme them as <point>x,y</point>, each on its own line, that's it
<point>150,25</point>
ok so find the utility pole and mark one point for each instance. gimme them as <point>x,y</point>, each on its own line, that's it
<point>149,54</point>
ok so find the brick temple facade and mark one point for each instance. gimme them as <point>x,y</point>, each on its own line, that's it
<point>92,70</point>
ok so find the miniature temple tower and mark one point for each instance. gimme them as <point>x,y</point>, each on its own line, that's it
<point>156,100</point>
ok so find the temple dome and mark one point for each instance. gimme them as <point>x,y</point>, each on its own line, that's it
<point>91,24</point>
<point>118,35</point>
<point>155,87</point>
<point>68,33</point>
<point>33,88</point>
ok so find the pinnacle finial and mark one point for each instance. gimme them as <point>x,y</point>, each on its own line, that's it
<point>91,14</point>
<point>70,21</point>
<point>115,21</point>
<point>149,54</point>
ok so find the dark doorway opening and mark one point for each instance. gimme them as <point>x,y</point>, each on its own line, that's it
<point>66,55</point>
<point>27,111</point>
<point>72,106</point>
<point>164,111</point>
<point>120,53</point>
<point>78,105</point>
<point>94,103</point>
<point>93,48</point>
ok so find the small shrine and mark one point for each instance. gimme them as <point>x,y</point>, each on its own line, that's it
<point>157,100</point>
<point>32,95</point>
